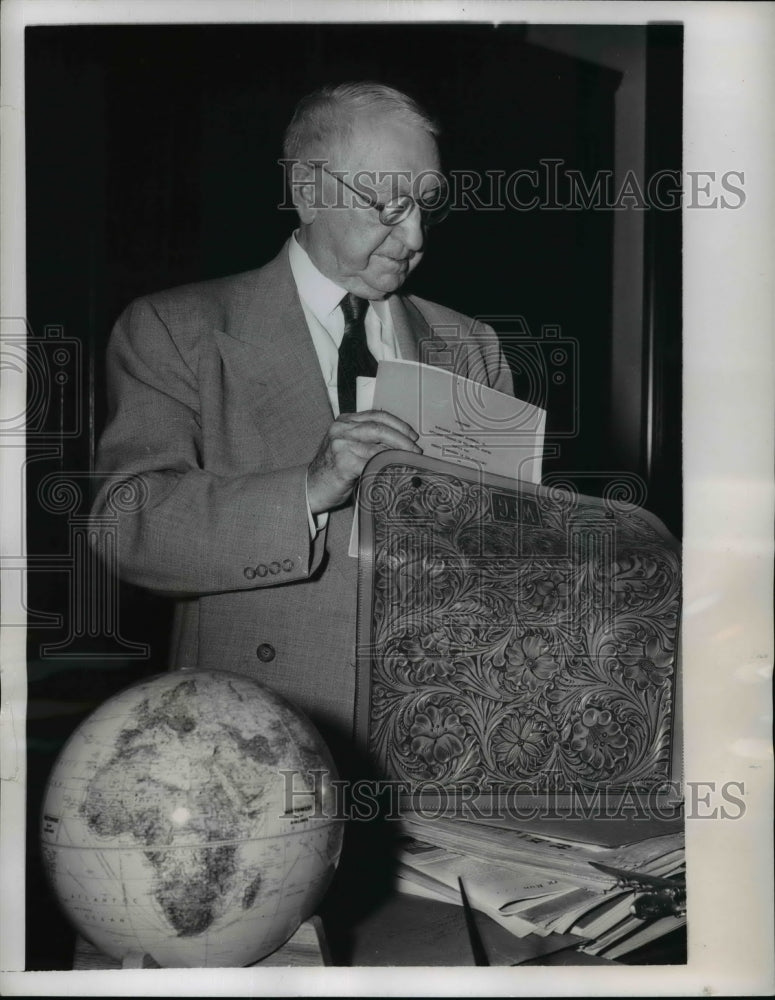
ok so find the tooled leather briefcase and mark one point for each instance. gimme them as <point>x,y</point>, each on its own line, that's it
<point>514,641</point>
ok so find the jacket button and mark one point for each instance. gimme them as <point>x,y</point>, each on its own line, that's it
<point>249,572</point>
<point>266,652</point>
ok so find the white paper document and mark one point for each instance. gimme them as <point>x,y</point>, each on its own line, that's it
<point>461,421</point>
<point>489,886</point>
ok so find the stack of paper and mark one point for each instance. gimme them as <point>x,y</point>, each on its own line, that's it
<point>537,884</point>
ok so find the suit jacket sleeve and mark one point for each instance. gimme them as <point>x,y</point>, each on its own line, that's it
<point>181,528</point>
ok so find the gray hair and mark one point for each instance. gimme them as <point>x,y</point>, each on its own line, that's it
<point>326,117</point>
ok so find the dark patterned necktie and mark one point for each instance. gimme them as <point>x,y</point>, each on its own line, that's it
<point>355,358</point>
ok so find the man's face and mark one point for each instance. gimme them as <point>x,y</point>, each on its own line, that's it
<point>345,238</point>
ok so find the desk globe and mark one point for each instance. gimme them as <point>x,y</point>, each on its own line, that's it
<point>191,818</point>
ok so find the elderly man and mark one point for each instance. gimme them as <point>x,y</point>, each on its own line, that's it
<point>232,406</point>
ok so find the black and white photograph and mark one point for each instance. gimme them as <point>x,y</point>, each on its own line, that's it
<point>386,538</point>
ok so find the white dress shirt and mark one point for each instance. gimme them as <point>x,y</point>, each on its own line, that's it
<point>320,298</point>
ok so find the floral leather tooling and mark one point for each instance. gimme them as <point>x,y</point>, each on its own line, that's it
<point>513,635</point>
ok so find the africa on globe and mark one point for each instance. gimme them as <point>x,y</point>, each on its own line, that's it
<point>191,818</point>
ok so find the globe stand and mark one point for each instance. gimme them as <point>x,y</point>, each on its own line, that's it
<point>137,961</point>
<point>307,948</point>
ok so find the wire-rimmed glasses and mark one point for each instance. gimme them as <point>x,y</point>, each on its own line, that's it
<point>433,209</point>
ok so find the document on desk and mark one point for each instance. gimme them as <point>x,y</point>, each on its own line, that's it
<point>495,885</point>
<point>531,884</point>
<point>490,888</point>
<point>460,420</point>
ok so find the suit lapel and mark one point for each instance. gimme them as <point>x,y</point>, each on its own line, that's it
<point>409,327</point>
<point>273,365</point>
<point>277,366</point>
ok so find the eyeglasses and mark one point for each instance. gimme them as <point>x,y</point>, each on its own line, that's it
<point>433,209</point>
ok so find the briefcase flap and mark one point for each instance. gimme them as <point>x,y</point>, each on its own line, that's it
<point>513,640</point>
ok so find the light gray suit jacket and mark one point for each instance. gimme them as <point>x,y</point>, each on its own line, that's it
<point>216,406</point>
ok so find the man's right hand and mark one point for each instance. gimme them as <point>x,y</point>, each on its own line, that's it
<point>350,442</point>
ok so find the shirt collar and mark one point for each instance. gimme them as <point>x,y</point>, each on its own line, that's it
<point>318,293</point>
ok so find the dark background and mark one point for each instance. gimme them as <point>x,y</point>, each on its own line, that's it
<point>152,161</point>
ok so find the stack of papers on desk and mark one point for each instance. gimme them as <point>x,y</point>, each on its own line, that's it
<point>536,884</point>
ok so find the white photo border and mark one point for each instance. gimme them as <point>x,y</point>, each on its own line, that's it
<point>728,509</point>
